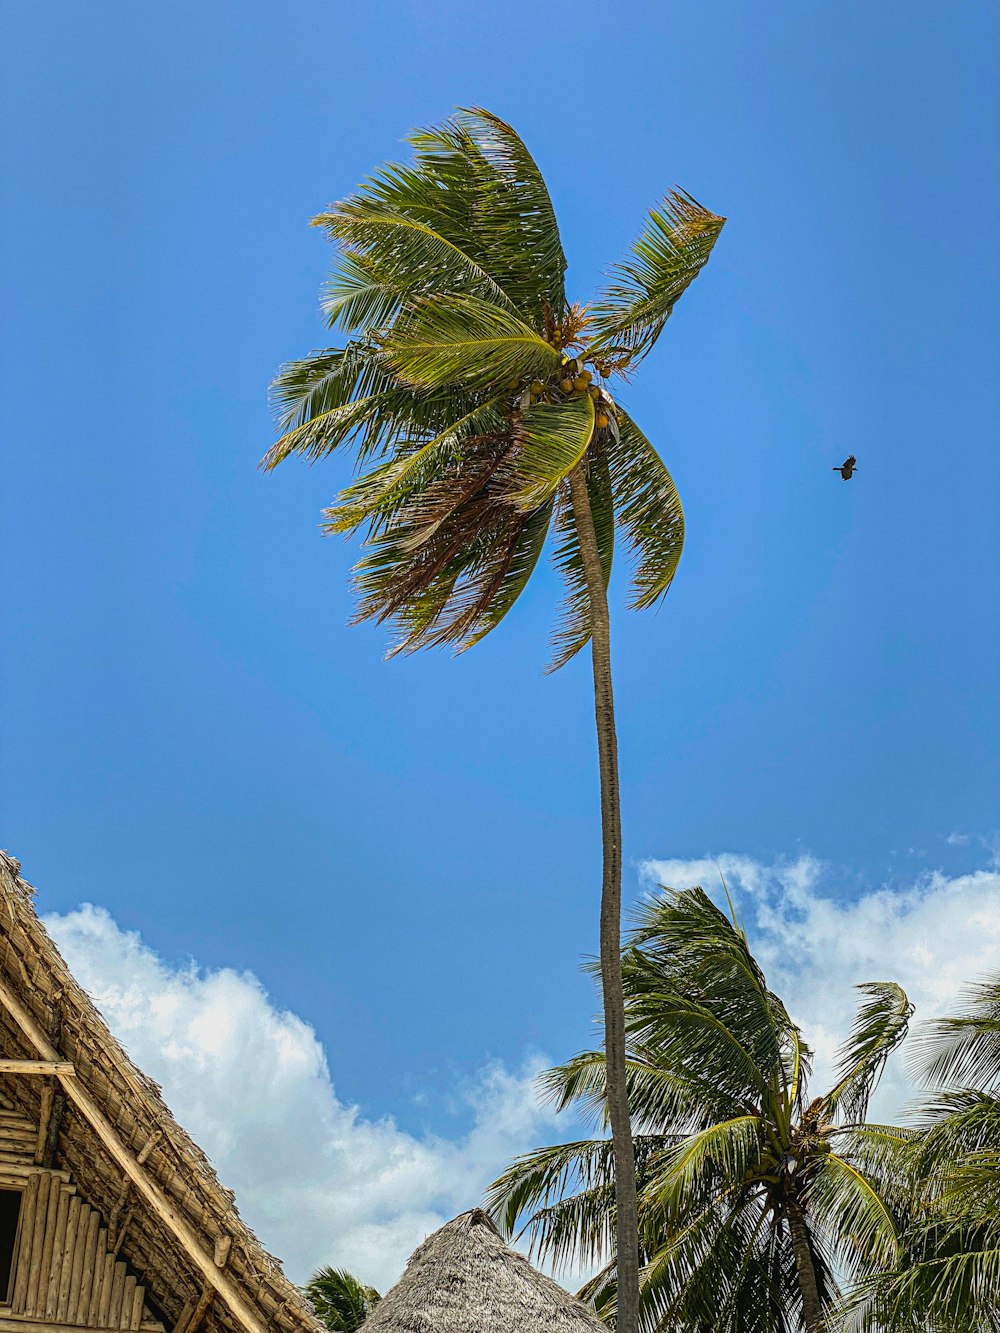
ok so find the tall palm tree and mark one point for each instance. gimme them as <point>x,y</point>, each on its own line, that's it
<point>479,400</point>
<point>948,1278</point>
<point>752,1193</point>
<point>342,1302</point>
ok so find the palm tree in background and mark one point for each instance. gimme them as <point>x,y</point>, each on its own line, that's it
<point>948,1278</point>
<point>752,1193</point>
<point>479,403</point>
<point>341,1301</point>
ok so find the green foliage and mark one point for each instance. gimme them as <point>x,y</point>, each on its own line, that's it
<point>341,1301</point>
<point>948,1276</point>
<point>456,388</point>
<point>728,1142</point>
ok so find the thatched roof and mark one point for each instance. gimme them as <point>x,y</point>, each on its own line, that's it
<point>175,1223</point>
<point>465,1279</point>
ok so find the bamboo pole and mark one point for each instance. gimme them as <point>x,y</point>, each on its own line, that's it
<point>197,1313</point>
<point>117,1291</point>
<point>107,1284</point>
<point>95,1294</point>
<point>128,1295</point>
<point>40,1282</point>
<point>138,1305</point>
<point>69,1261</point>
<point>64,1068</point>
<point>88,1251</point>
<point>55,1239</point>
<point>37,1237</point>
<point>26,1226</point>
<point>48,1092</point>
<point>158,1202</point>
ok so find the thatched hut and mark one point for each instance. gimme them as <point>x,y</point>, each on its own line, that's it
<point>465,1279</point>
<point>110,1216</point>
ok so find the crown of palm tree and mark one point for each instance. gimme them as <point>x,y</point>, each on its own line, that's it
<point>472,389</point>
<point>730,1148</point>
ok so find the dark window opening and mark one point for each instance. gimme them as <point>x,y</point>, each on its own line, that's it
<point>10,1211</point>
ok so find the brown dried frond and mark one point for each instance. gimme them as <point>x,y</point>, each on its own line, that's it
<point>575,323</point>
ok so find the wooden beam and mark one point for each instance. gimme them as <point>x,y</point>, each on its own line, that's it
<point>61,1067</point>
<point>159,1203</point>
<point>44,1115</point>
<point>190,1322</point>
<point>24,1324</point>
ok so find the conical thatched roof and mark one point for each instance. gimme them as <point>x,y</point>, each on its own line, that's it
<point>465,1279</point>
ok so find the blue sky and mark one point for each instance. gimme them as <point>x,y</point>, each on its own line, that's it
<point>406,854</point>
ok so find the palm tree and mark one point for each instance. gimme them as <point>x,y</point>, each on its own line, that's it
<point>752,1193</point>
<point>342,1302</point>
<point>948,1277</point>
<point>479,399</point>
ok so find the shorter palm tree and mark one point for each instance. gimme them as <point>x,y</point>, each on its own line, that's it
<point>948,1277</point>
<point>752,1194</point>
<point>341,1301</point>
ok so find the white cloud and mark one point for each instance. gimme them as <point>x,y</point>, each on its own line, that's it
<point>318,1181</point>
<point>815,944</point>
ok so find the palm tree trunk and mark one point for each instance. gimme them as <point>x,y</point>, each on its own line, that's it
<point>812,1309</point>
<point>627,1222</point>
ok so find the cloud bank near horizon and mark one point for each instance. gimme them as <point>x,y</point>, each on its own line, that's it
<point>320,1182</point>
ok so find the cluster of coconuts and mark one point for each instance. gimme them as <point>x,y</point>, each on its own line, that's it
<point>575,381</point>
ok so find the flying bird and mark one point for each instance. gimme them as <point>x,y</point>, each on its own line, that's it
<point>847,468</point>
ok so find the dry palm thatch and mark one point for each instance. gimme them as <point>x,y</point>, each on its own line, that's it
<point>465,1279</point>
<point>105,1127</point>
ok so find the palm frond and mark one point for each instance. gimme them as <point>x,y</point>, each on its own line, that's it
<point>671,251</point>
<point>515,220</point>
<point>553,439</point>
<point>465,341</point>
<point>879,1026</point>
<point>728,1151</point>
<point>693,978</point>
<point>965,1048</point>
<point>396,221</point>
<point>360,295</point>
<point>341,1301</point>
<point>574,625</point>
<point>846,1204</point>
<point>379,495</point>
<point>648,509</point>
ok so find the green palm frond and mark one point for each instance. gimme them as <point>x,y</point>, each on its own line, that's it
<point>965,1048</point>
<point>845,1203</point>
<point>360,295</point>
<point>464,340</point>
<point>395,221</point>
<point>648,510</point>
<point>515,219</point>
<point>563,1197</point>
<point>341,1301</point>
<point>657,1095</point>
<point>383,493</point>
<point>553,440</point>
<point>879,1026</point>
<point>729,1151</point>
<point>671,251</point>
<point>573,628</point>
<point>511,574</point>
<point>694,972</point>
